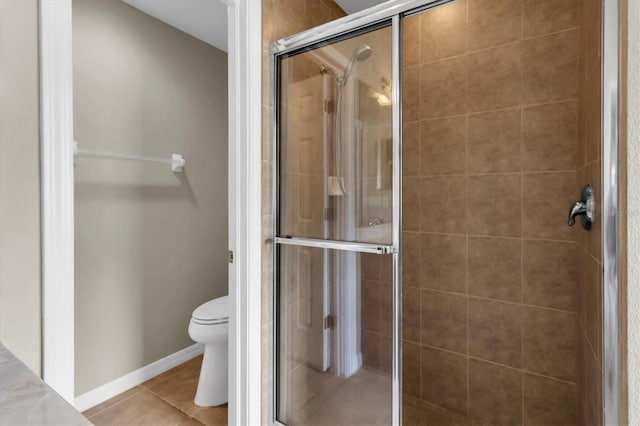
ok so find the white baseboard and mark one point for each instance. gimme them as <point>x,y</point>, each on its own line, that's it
<point>109,390</point>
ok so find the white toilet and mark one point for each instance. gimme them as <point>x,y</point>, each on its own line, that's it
<point>210,325</point>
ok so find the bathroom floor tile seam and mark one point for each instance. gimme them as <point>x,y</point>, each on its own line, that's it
<point>113,420</point>
<point>167,400</point>
<point>171,404</point>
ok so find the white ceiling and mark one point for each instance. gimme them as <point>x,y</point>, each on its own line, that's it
<point>352,6</point>
<point>204,19</point>
<point>207,19</point>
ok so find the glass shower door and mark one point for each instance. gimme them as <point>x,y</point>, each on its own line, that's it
<point>334,251</point>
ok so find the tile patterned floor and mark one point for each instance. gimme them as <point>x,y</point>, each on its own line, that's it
<point>166,400</point>
<point>361,400</point>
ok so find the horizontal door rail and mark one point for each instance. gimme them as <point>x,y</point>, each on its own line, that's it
<point>352,22</point>
<point>337,245</point>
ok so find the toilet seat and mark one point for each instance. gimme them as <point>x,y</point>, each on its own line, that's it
<point>210,322</point>
<point>213,312</point>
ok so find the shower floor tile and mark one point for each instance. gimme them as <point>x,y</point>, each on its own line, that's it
<point>363,399</point>
<point>166,400</point>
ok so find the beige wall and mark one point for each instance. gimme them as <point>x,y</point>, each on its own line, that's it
<point>19,181</point>
<point>150,245</point>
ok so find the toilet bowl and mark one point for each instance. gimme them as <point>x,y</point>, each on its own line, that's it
<point>210,325</point>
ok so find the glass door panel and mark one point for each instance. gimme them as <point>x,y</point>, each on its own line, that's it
<point>335,251</point>
<point>334,337</point>
<point>335,140</point>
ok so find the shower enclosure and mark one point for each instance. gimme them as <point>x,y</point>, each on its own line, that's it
<point>426,156</point>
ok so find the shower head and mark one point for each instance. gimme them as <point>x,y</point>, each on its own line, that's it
<point>362,53</point>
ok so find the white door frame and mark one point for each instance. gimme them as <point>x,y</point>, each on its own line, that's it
<point>56,157</point>
<point>245,175</point>
<point>57,197</point>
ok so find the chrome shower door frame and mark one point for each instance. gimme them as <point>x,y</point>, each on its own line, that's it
<point>395,10</point>
<point>611,379</point>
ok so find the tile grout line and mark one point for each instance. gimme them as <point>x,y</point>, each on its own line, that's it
<point>420,340</point>
<point>482,174</point>
<point>160,397</point>
<point>112,405</point>
<point>466,225</point>
<point>510,367</point>
<point>467,331</point>
<point>144,388</point>
<point>419,130</point>
<point>551,378</point>
<point>521,222</point>
<point>522,105</point>
<point>507,302</point>
<point>586,338</point>
<point>468,52</point>
<point>496,237</point>
<point>444,411</point>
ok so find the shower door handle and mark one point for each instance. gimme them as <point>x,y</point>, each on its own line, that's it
<point>583,208</point>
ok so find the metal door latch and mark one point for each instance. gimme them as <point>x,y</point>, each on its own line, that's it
<point>584,208</point>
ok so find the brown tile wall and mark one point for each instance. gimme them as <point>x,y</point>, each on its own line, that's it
<point>280,18</point>
<point>589,291</point>
<point>492,102</point>
<point>375,311</point>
